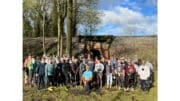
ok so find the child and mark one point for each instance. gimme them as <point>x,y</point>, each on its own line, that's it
<point>87,78</point>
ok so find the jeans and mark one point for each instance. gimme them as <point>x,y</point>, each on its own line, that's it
<point>99,79</point>
<point>87,86</point>
<point>66,78</point>
<point>129,80</point>
<point>49,79</point>
<point>109,79</point>
<point>144,85</point>
<point>121,81</point>
<point>41,79</point>
<point>30,77</point>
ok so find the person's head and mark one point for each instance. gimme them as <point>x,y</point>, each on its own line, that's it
<point>98,61</point>
<point>84,61</point>
<point>109,62</point>
<point>87,68</point>
<point>116,59</point>
<point>129,61</point>
<point>62,59</point>
<point>102,59</point>
<point>75,60</point>
<point>111,57</point>
<point>119,60</point>
<point>57,60</point>
<point>89,56</point>
<point>33,59</point>
<point>29,56</point>
<point>37,58</point>
<point>143,62</point>
<point>44,55</point>
<point>139,61</point>
<point>43,60</point>
<point>49,61</point>
<point>70,61</point>
<point>66,60</point>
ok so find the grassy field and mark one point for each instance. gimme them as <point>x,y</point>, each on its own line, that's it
<point>144,47</point>
<point>76,94</point>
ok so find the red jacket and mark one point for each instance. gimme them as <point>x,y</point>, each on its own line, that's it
<point>129,69</point>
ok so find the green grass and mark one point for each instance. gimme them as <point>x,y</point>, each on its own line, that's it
<point>144,47</point>
<point>76,94</point>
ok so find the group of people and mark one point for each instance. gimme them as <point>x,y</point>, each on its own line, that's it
<point>124,73</point>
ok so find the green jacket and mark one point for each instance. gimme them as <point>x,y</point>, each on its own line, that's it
<point>30,65</point>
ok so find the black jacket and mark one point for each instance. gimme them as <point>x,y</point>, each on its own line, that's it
<point>41,69</point>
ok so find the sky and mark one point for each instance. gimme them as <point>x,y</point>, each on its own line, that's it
<point>128,17</point>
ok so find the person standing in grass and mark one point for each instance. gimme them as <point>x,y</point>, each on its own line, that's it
<point>66,70</point>
<point>144,74</point>
<point>33,70</point>
<point>41,73</point>
<point>25,68</point>
<point>104,79</point>
<point>30,69</point>
<point>99,68</point>
<point>109,69</point>
<point>74,70</point>
<point>49,72</point>
<point>121,73</point>
<point>150,66</point>
<point>81,70</point>
<point>87,78</point>
<point>130,72</point>
<point>37,64</point>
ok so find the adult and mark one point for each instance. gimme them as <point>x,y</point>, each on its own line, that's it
<point>82,69</point>
<point>58,71</point>
<point>109,69</point>
<point>90,62</point>
<point>74,70</point>
<point>35,70</point>
<point>99,67</point>
<point>49,73</point>
<point>41,74</point>
<point>130,72</point>
<point>30,69</point>
<point>25,68</point>
<point>66,71</point>
<point>121,73</point>
<point>144,73</point>
<point>104,79</point>
<point>150,66</point>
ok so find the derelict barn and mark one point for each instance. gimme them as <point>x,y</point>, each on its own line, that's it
<point>95,45</point>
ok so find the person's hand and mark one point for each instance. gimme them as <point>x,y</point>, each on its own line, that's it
<point>84,83</point>
<point>90,79</point>
<point>36,75</point>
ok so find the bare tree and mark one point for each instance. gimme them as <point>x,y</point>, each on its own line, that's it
<point>69,27</point>
<point>62,12</point>
<point>41,8</point>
